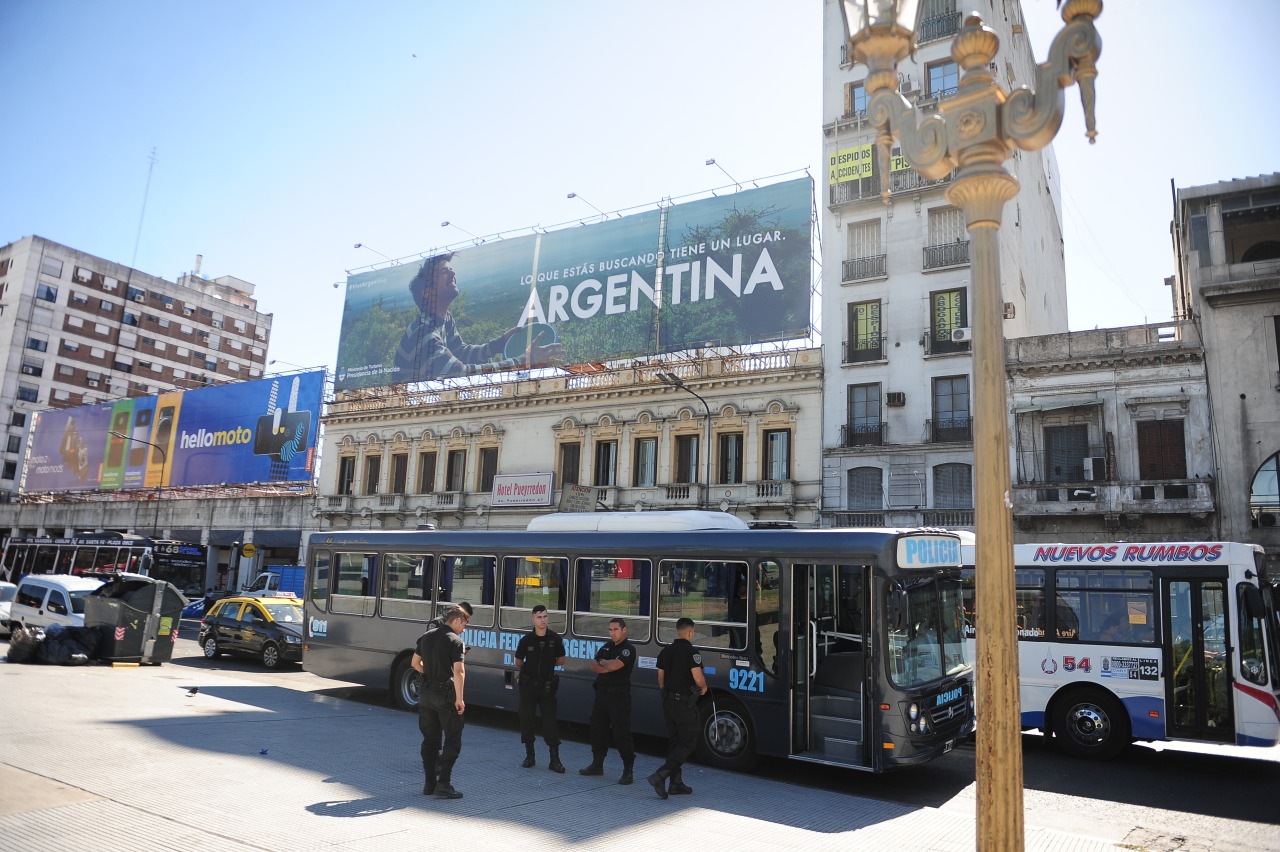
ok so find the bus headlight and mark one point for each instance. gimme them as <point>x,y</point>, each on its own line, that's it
<point>913,711</point>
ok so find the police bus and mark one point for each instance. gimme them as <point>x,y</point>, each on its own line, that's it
<point>842,647</point>
<point>1144,641</point>
<point>179,562</point>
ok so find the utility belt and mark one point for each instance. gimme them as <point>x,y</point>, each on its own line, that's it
<point>611,689</point>
<point>438,684</point>
<point>547,686</point>
<point>682,697</point>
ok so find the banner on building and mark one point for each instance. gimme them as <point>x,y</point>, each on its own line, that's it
<point>721,271</point>
<point>522,489</point>
<point>259,431</point>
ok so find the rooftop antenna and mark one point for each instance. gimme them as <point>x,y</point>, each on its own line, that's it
<point>145,192</point>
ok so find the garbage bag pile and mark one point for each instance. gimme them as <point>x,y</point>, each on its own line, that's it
<point>56,645</point>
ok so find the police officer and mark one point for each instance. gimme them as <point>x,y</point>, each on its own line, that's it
<point>440,701</point>
<point>612,709</point>
<point>681,681</point>
<point>439,619</point>
<point>538,655</point>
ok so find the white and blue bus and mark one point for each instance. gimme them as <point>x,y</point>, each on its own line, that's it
<point>841,647</point>
<point>1144,641</point>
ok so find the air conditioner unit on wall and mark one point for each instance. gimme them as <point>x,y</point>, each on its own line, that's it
<point>1095,467</point>
<point>961,335</point>
<point>1267,519</point>
<point>895,398</point>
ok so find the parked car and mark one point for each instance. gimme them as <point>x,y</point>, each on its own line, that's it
<point>7,592</point>
<point>45,599</point>
<point>269,628</point>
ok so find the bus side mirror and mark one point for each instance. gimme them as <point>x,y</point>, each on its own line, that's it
<point>898,609</point>
<point>1254,606</point>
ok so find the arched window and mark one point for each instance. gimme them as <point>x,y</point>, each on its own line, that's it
<point>866,489</point>
<point>953,486</point>
<point>1264,496</point>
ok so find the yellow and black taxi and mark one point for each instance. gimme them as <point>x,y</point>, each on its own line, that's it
<point>266,627</point>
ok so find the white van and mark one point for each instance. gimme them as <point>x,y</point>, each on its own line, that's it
<point>45,599</point>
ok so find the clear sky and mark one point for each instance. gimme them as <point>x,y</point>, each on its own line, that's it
<point>286,131</point>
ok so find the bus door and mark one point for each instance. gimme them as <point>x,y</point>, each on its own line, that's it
<point>1197,660</point>
<point>829,663</point>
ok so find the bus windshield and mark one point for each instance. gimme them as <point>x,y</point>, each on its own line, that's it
<point>930,644</point>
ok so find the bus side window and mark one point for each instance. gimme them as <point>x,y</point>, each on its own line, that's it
<point>470,579</point>
<point>320,578</point>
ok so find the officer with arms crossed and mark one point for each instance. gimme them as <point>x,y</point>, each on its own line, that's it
<point>681,681</point>
<point>539,653</point>
<point>612,709</point>
<point>440,705</point>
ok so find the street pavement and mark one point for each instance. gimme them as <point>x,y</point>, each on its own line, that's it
<point>170,757</point>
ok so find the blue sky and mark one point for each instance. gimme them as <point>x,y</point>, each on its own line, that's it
<point>285,132</point>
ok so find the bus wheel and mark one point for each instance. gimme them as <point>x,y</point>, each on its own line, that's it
<point>1091,724</point>
<point>404,686</point>
<point>725,738</point>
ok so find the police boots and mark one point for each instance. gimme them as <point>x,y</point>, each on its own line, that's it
<point>555,765</point>
<point>677,786</point>
<point>530,760</point>
<point>627,777</point>
<point>444,789</point>
<point>658,781</point>
<point>596,767</point>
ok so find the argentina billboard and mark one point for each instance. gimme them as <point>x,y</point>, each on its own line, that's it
<point>259,431</point>
<point>721,271</point>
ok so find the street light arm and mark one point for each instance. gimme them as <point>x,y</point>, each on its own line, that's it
<point>1032,118</point>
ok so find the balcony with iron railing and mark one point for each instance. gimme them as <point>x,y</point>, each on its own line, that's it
<point>863,268</point>
<point>863,349</point>
<point>947,254</point>
<point>938,26</point>
<point>941,341</point>
<point>868,188</point>
<point>1129,497</point>
<point>862,434</point>
<point>951,519</point>
<point>949,429</point>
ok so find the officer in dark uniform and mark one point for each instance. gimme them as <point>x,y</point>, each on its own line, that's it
<point>540,652</point>
<point>611,712</point>
<point>440,701</point>
<point>681,681</point>
<point>439,619</point>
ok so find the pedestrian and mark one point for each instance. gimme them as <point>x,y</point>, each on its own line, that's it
<point>681,682</point>
<point>439,658</point>
<point>611,712</point>
<point>540,652</point>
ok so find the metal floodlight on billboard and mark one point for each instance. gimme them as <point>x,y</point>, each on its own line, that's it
<point>712,162</point>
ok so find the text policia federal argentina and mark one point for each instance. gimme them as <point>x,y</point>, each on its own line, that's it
<point>691,281</point>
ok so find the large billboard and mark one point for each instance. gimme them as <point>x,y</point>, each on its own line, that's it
<point>720,271</point>
<point>260,431</point>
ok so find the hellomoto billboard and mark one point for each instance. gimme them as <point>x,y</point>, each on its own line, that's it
<point>260,431</point>
<point>721,271</point>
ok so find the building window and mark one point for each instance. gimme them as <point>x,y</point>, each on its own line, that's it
<point>777,454</point>
<point>855,100</point>
<point>372,473</point>
<point>864,255</point>
<point>10,470</point>
<point>18,418</point>
<point>866,489</point>
<point>606,464</point>
<point>51,266</point>
<point>346,474</point>
<point>1162,455</point>
<point>865,336</point>
<point>943,79</point>
<point>645,466</point>
<point>938,19</point>
<point>687,449</point>
<point>864,425</point>
<point>130,318</point>
<point>1065,449</point>
<point>32,367</point>
<point>951,420</point>
<point>570,463</point>
<point>28,393</point>
<point>15,444</point>
<point>456,470</point>
<point>426,473</point>
<point>949,311</point>
<point>953,486</point>
<point>948,238</point>
<point>106,306</point>
<point>729,468</point>
<point>35,344</point>
<point>399,472</point>
<point>488,468</point>
<point>46,292</point>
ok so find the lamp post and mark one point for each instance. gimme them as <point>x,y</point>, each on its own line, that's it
<point>164,461</point>
<point>672,380</point>
<point>974,131</point>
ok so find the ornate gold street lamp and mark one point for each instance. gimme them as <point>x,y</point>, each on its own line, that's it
<point>973,133</point>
